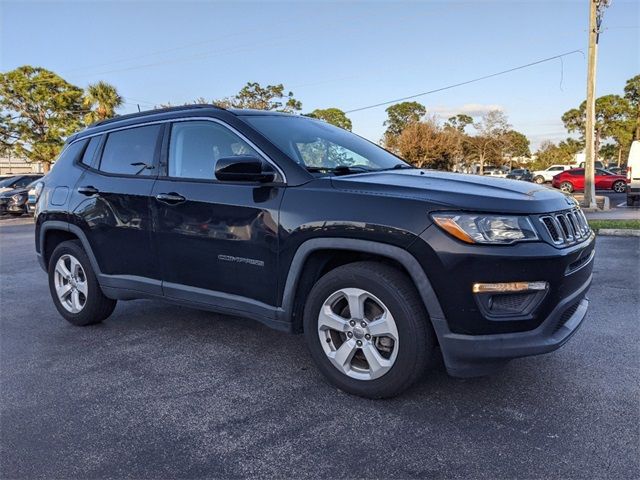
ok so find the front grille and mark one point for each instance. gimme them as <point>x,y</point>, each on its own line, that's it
<point>567,227</point>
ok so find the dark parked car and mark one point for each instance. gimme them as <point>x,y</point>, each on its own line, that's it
<point>520,174</point>
<point>13,201</point>
<point>309,228</point>
<point>17,181</point>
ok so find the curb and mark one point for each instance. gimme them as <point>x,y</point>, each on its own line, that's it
<point>619,232</point>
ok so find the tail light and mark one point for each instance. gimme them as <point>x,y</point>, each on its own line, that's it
<point>629,174</point>
<point>38,189</point>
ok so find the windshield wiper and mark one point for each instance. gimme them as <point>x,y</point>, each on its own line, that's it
<point>340,170</point>
<point>397,166</point>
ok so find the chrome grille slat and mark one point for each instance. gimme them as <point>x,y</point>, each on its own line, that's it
<point>574,227</point>
<point>566,227</point>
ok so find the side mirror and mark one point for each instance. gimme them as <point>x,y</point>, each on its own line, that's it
<point>244,168</point>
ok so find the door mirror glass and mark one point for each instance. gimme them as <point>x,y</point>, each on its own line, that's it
<point>244,168</point>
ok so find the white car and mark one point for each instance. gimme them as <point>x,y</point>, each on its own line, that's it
<point>546,175</point>
<point>495,173</point>
<point>633,174</point>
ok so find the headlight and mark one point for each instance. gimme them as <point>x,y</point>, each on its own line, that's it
<point>488,229</point>
<point>18,198</point>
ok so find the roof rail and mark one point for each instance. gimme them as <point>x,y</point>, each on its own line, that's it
<point>153,112</point>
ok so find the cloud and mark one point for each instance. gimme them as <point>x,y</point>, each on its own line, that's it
<point>471,109</point>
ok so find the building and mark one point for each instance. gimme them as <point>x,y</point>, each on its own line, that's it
<point>14,165</point>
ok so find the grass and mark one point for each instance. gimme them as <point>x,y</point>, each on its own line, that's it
<point>623,224</point>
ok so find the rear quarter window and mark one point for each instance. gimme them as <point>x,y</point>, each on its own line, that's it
<point>71,153</point>
<point>90,152</point>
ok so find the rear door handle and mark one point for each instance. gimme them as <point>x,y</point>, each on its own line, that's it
<point>88,190</point>
<point>170,198</point>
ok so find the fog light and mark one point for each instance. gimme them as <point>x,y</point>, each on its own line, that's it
<point>509,287</point>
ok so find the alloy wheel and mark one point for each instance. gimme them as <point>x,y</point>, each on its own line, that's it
<point>619,187</point>
<point>71,283</point>
<point>358,334</point>
<point>566,187</point>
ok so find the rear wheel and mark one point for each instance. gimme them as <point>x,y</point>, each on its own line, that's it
<point>619,186</point>
<point>74,286</point>
<point>539,179</point>
<point>566,187</point>
<point>367,329</point>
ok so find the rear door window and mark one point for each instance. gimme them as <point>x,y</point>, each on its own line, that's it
<point>131,151</point>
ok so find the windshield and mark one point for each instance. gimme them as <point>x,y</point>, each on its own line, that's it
<point>321,147</point>
<point>5,182</point>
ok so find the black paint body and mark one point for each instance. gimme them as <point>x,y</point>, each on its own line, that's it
<point>243,248</point>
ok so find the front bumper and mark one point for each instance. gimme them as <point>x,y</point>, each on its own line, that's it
<point>476,355</point>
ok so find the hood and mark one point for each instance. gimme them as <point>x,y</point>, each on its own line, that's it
<point>8,192</point>
<point>458,191</point>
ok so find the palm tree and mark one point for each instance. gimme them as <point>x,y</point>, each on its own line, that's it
<point>102,100</point>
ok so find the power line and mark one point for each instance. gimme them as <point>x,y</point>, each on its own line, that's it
<point>484,77</point>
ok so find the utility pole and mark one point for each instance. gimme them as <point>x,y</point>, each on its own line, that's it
<point>596,10</point>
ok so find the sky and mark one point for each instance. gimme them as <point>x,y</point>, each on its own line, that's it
<point>334,53</point>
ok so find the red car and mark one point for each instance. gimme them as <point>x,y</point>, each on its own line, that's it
<point>571,180</point>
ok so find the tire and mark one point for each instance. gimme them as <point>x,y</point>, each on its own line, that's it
<point>566,187</point>
<point>539,179</point>
<point>631,201</point>
<point>83,303</point>
<point>619,186</point>
<point>381,288</point>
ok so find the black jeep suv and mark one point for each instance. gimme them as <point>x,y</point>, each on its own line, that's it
<point>309,228</point>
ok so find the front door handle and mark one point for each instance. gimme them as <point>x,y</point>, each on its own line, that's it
<point>88,190</point>
<point>170,198</point>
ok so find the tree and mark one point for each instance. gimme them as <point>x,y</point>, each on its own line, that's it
<point>271,97</point>
<point>102,99</point>
<point>399,116</point>
<point>459,122</point>
<point>334,116</point>
<point>551,154</point>
<point>490,140</point>
<point>613,121</point>
<point>632,94</point>
<point>426,145</point>
<point>516,144</point>
<point>39,110</point>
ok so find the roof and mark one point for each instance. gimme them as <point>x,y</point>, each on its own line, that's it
<point>252,112</point>
<point>156,111</point>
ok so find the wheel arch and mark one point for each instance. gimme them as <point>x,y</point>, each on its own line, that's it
<point>54,232</point>
<point>318,256</point>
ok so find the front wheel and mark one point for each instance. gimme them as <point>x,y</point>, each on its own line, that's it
<point>367,329</point>
<point>538,179</point>
<point>74,287</point>
<point>619,186</point>
<point>566,187</point>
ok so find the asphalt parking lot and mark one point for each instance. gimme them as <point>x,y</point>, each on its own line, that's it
<point>160,391</point>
